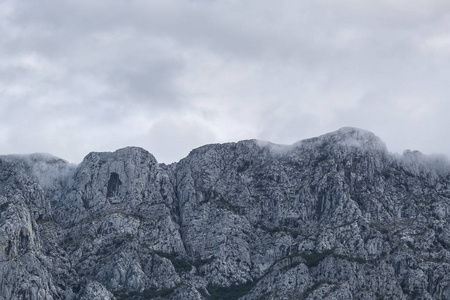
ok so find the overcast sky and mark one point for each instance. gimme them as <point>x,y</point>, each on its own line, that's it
<point>171,75</point>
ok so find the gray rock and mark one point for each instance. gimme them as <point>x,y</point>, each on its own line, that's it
<point>333,217</point>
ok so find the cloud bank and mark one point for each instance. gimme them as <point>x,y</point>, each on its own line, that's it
<point>80,76</point>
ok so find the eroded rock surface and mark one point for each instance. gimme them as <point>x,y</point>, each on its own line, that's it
<point>333,217</point>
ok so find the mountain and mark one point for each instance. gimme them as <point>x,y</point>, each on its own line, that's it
<point>332,217</point>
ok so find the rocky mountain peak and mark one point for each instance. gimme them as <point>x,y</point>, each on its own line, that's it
<point>127,153</point>
<point>349,138</point>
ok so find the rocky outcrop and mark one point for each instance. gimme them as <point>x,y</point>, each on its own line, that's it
<point>333,217</point>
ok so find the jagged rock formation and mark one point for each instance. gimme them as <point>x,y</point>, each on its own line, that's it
<point>333,217</point>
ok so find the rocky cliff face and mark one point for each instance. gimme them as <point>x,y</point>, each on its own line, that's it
<point>333,217</point>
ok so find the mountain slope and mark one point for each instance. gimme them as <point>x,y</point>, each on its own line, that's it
<point>333,217</point>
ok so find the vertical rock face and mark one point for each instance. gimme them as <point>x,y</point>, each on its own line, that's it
<point>333,217</point>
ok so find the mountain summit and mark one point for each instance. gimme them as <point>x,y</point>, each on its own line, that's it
<point>331,217</point>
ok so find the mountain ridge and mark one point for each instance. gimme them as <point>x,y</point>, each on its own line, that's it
<point>332,217</point>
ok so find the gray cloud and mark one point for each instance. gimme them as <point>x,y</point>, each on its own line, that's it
<point>77,76</point>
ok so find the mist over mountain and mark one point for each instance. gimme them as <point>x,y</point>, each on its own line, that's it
<point>333,217</point>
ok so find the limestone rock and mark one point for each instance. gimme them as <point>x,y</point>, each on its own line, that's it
<point>332,217</point>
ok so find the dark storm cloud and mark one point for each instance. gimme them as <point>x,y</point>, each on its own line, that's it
<point>77,76</point>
